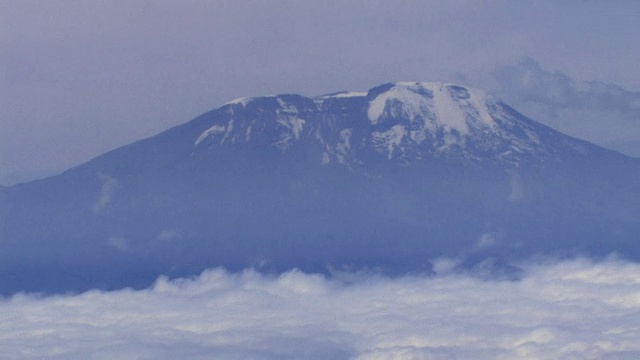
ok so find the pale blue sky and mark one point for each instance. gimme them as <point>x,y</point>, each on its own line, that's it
<point>78,78</point>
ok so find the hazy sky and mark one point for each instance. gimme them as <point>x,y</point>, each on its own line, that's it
<point>78,78</point>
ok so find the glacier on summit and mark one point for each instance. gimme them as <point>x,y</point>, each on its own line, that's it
<point>404,120</point>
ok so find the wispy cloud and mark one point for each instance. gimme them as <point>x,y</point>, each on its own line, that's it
<point>109,186</point>
<point>119,243</point>
<point>529,82</point>
<point>517,190</point>
<point>559,310</point>
<point>605,113</point>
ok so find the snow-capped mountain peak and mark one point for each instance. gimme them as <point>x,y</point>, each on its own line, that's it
<point>449,106</point>
<point>405,121</point>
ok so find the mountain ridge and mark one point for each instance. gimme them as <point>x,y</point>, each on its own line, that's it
<point>243,101</point>
<point>386,104</point>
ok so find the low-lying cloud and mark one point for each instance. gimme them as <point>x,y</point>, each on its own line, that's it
<point>558,310</point>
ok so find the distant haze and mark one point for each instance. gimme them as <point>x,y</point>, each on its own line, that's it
<point>80,78</point>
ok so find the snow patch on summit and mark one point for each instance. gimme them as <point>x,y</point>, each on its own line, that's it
<point>440,105</point>
<point>242,101</point>
<point>344,94</point>
<point>413,99</point>
<point>480,102</point>
<point>403,121</point>
<point>448,112</point>
<point>215,129</point>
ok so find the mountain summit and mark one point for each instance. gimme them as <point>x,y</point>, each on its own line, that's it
<point>404,121</point>
<point>388,179</point>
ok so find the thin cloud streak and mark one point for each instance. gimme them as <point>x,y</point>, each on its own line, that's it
<point>561,310</point>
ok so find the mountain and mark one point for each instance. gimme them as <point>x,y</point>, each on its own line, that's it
<point>388,179</point>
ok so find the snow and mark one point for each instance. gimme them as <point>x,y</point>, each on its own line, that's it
<point>448,110</point>
<point>293,123</point>
<point>450,138</point>
<point>296,127</point>
<point>343,146</point>
<point>390,139</point>
<point>480,101</point>
<point>418,136</point>
<point>247,136</point>
<point>229,128</point>
<point>215,129</point>
<point>242,101</point>
<point>414,104</point>
<point>437,115</point>
<point>283,104</point>
<point>439,106</point>
<point>420,99</point>
<point>345,94</point>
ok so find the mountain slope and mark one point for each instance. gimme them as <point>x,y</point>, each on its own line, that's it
<point>388,179</point>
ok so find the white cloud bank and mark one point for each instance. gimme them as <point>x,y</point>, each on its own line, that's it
<point>566,310</point>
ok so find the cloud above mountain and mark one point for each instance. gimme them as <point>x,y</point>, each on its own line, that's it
<point>605,113</point>
<point>560,310</point>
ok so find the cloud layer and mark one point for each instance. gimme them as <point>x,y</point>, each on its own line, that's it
<point>563,310</point>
